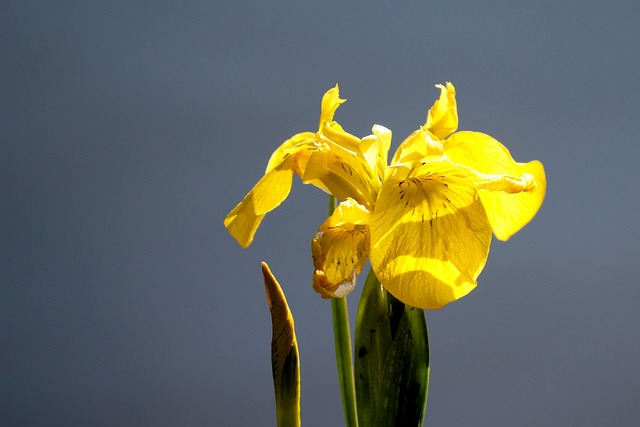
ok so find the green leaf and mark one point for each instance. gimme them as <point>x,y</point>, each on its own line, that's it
<point>372,343</point>
<point>285,360</point>
<point>405,382</point>
<point>392,359</point>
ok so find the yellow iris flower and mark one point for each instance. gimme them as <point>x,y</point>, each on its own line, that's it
<point>424,219</point>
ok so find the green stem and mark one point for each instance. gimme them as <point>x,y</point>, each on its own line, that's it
<point>342,340</point>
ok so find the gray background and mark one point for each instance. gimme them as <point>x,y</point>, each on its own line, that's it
<point>129,130</point>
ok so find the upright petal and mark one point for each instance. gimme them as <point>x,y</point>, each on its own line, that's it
<point>243,221</point>
<point>340,249</point>
<point>442,119</point>
<point>418,147</point>
<point>375,149</point>
<point>430,236</point>
<point>517,190</point>
<point>330,103</point>
<point>384,144</point>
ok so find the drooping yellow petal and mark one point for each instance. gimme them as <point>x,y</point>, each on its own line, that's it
<point>243,221</point>
<point>298,145</point>
<point>330,103</point>
<point>292,156</point>
<point>517,190</point>
<point>442,119</point>
<point>340,249</point>
<point>342,174</point>
<point>430,236</point>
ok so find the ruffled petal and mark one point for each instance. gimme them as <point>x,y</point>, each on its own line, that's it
<point>340,249</point>
<point>511,192</point>
<point>302,144</point>
<point>430,236</point>
<point>330,103</point>
<point>442,119</point>
<point>243,221</point>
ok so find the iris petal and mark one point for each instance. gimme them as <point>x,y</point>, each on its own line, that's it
<point>330,103</point>
<point>340,176</point>
<point>340,249</point>
<point>292,156</point>
<point>375,149</point>
<point>430,236</point>
<point>298,146</point>
<point>243,221</point>
<point>418,147</point>
<point>518,188</point>
<point>442,119</point>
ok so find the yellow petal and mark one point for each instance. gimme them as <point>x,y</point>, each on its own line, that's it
<point>369,147</point>
<point>243,221</point>
<point>442,119</point>
<point>349,214</point>
<point>340,249</point>
<point>430,236</point>
<point>517,190</point>
<point>375,149</point>
<point>330,103</point>
<point>344,176</point>
<point>418,147</point>
<point>299,145</point>
<point>338,139</point>
<point>384,143</point>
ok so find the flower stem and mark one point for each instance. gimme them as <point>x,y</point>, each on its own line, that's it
<point>342,340</point>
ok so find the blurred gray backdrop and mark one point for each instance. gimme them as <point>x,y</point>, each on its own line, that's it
<point>128,130</point>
